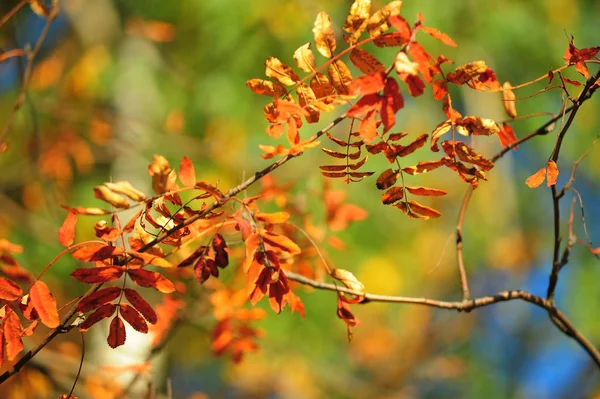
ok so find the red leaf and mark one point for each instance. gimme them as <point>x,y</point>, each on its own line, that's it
<point>116,334</point>
<point>95,275</point>
<point>187,173</point>
<point>425,191</point>
<point>96,251</point>
<point>401,26</point>
<point>416,87</point>
<point>440,89</point>
<point>136,300</point>
<point>368,126</point>
<point>367,84</point>
<point>507,136</point>
<point>552,173</point>
<point>12,334</point>
<point>101,313</point>
<point>387,179</point>
<point>44,304</point>
<point>133,317</point>
<point>365,104</point>
<point>392,195</point>
<point>9,291</point>
<point>98,299</point>
<point>436,34</point>
<point>66,233</point>
<point>221,253</point>
<point>392,102</point>
<point>146,278</point>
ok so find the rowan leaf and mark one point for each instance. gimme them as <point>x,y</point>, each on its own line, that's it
<point>378,23</point>
<point>116,333</point>
<point>95,252</point>
<point>146,278</point>
<point>507,136</point>
<point>9,291</point>
<point>424,211</point>
<point>340,76</point>
<point>425,191</point>
<point>66,232</point>
<point>187,173</point>
<point>107,195</point>
<point>466,154</point>
<point>508,100</point>
<point>440,89</point>
<point>273,218</point>
<point>98,298</point>
<point>365,104</point>
<point>366,62</point>
<point>282,242</point>
<point>221,252</point>
<point>552,173</point>
<point>266,87</point>
<point>436,34</point>
<point>412,147</point>
<point>275,69</point>
<point>404,65</point>
<point>99,314</point>
<point>44,304</point>
<point>422,167</point>
<point>465,73</point>
<point>305,58</point>
<point>392,195</point>
<point>537,178</point>
<point>387,179</point>
<point>324,36</point>
<point>97,275</point>
<point>133,318</point>
<point>127,189</point>
<point>348,279</point>
<point>334,154</point>
<point>367,84</point>
<point>368,126</point>
<point>12,334</point>
<point>136,300</point>
<point>356,22</point>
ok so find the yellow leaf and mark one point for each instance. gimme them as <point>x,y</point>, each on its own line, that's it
<point>508,100</point>
<point>348,279</point>
<point>324,36</point>
<point>404,65</point>
<point>266,87</point>
<point>305,58</point>
<point>340,76</point>
<point>356,22</point>
<point>378,23</point>
<point>282,73</point>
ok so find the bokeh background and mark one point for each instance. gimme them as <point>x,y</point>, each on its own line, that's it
<point>119,81</point>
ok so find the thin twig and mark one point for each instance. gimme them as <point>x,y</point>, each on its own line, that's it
<point>464,284</point>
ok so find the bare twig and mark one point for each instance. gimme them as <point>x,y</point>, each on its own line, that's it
<point>464,284</point>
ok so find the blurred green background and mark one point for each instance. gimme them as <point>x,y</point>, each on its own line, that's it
<point>120,81</point>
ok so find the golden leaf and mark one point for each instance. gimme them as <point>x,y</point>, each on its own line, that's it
<point>282,73</point>
<point>116,200</point>
<point>348,279</point>
<point>321,86</point>
<point>356,22</point>
<point>125,188</point>
<point>305,58</point>
<point>508,100</point>
<point>365,62</point>
<point>378,23</point>
<point>324,36</point>
<point>266,87</point>
<point>340,76</point>
<point>466,72</point>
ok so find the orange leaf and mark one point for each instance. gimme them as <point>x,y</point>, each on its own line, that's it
<point>101,313</point>
<point>422,167</point>
<point>281,242</point>
<point>436,34</point>
<point>12,334</point>
<point>44,304</point>
<point>282,73</point>
<point>187,173</point>
<point>392,195</point>
<point>9,291</point>
<point>134,318</point>
<point>367,84</point>
<point>96,251</point>
<point>366,62</point>
<point>552,173</point>
<point>98,299</point>
<point>412,147</point>
<point>273,218</point>
<point>426,191</point>
<point>537,178</point>
<point>365,104</point>
<point>507,136</point>
<point>378,22</point>
<point>426,211</point>
<point>508,100</point>
<point>146,278</point>
<point>136,300</point>
<point>96,275</point>
<point>440,89</point>
<point>66,233</point>
<point>116,334</point>
<point>368,126</point>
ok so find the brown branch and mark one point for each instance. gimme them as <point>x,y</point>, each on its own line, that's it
<point>27,74</point>
<point>467,305</point>
<point>464,284</point>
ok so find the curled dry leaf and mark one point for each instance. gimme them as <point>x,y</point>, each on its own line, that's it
<point>387,179</point>
<point>105,194</point>
<point>392,195</point>
<point>508,100</point>
<point>348,279</point>
<point>404,65</point>
<point>552,173</point>
<point>378,23</point>
<point>163,177</point>
<point>324,36</point>
<point>127,189</point>
<point>266,87</point>
<point>465,73</point>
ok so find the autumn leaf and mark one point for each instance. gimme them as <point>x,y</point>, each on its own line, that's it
<point>133,318</point>
<point>275,69</point>
<point>367,84</point>
<point>12,334</point>
<point>44,304</point>
<point>508,100</point>
<point>507,136</point>
<point>66,233</point>
<point>98,298</point>
<point>392,195</point>
<point>221,252</point>
<point>136,300</point>
<point>127,189</point>
<point>266,87</point>
<point>101,313</point>
<point>305,58</point>
<point>348,279</point>
<point>324,36</point>
<point>340,76</point>
<point>95,251</point>
<point>436,34</point>
<point>146,278</point>
<point>9,291</point>
<point>465,73</point>
<point>187,173</point>
<point>105,194</point>
<point>425,211</point>
<point>387,179</point>
<point>365,61</point>
<point>116,333</point>
<point>356,22</point>
<point>368,126</point>
<point>378,22</point>
<point>96,275</point>
<point>537,178</point>
<point>552,173</point>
